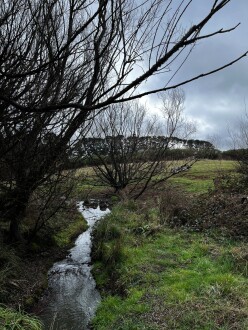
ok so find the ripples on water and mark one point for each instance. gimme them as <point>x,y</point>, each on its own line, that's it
<point>72,296</point>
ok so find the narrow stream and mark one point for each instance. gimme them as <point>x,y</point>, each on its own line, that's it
<point>72,296</point>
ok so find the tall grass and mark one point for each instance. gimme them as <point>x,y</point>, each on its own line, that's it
<point>14,320</point>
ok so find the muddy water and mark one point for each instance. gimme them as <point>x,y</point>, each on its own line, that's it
<point>72,296</point>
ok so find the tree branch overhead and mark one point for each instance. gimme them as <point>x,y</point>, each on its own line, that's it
<point>90,51</point>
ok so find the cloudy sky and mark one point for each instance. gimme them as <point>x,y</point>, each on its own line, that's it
<point>218,101</point>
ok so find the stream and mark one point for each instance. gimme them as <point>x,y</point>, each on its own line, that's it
<point>72,297</point>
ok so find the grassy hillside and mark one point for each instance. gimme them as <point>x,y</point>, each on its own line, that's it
<point>198,179</point>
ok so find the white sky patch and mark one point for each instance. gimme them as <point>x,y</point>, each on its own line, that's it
<point>152,104</point>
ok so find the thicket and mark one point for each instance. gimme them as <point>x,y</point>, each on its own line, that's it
<point>223,209</point>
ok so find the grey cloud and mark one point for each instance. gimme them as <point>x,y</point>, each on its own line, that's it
<point>217,101</point>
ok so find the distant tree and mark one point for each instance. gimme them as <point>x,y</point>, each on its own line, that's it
<point>234,154</point>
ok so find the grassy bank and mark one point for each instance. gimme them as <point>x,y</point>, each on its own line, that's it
<point>155,277</point>
<point>152,276</point>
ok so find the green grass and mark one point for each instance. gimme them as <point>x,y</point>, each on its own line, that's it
<point>88,184</point>
<point>64,237</point>
<point>171,279</point>
<point>13,320</point>
<point>199,179</point>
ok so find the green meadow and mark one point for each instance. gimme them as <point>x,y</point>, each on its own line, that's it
<point>200,178</point>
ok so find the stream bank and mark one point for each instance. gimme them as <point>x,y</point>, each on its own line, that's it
<point>71,298</point>
<point>154,277</point>
<point>23,268</point>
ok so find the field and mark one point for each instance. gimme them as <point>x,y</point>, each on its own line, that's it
<point>152,276</point>
<point>199,178</point>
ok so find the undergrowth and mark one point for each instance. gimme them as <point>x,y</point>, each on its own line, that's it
<point>10,267</point>
<point>223,210</point>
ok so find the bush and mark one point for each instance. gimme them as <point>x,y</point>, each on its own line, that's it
<point>225,212</point>
<point>172,202</point>
<point>224,209</point>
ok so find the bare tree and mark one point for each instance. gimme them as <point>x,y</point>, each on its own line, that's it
<point>62,60</point>
<point>126,150</point>
<point>172,111</point>
<point>239,138</point>
<point>80,54</point>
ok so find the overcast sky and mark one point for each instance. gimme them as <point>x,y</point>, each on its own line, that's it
<point>217,101</point>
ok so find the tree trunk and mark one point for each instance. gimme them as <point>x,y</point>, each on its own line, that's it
<point>15,206</point>
<point>14,230</point>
